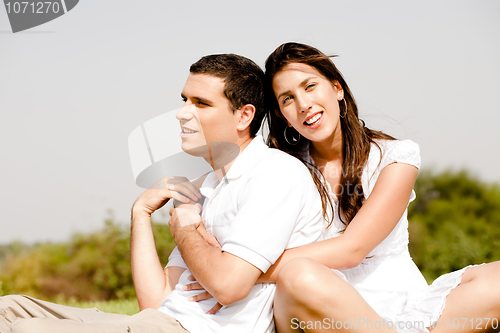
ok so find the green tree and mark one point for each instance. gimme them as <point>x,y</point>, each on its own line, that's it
<point>454,222</point>
<point>90,267</point>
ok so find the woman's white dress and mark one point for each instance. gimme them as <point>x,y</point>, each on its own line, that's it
<point>388,279</point>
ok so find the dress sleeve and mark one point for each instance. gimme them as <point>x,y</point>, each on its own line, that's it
<point>404,151</point>
<point>391,151</point>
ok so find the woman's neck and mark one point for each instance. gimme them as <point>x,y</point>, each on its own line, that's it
<point>328,150</point>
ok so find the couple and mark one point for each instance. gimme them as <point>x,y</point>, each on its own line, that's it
<point>342,225</point>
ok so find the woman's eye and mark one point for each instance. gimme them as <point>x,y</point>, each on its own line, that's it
<point>286,99</point>
<point>310,86</point>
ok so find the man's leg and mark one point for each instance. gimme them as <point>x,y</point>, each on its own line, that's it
<point>19,314</point>
<point>14,307</point>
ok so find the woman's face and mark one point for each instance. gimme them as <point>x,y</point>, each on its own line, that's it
<point>309,101</point>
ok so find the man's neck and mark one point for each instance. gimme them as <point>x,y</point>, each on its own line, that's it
<point>221,169</point>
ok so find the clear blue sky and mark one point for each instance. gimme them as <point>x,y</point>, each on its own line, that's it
<point>73,89</point>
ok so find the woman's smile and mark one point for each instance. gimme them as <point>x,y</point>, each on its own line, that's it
<point>314,121</point>
<point>308,101</point>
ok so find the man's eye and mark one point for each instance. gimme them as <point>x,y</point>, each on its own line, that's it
<point>202,103</point>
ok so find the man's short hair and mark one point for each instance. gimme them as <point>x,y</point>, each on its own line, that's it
<point>244,82</point>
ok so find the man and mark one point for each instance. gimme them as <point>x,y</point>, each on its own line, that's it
<point>256,205</point>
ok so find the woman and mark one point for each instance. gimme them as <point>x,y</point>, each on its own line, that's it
<point>365,179</point>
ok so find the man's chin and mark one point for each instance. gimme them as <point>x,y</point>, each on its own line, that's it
<point>220,153</point>
<point>199,151</point>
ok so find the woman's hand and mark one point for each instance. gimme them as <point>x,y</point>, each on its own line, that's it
<point>202,296</point>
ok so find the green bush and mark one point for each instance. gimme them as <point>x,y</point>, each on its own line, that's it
<point>91,267</point>
<point>454,222</point>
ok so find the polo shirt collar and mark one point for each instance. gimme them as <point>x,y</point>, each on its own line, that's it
<point>244,161</point>
<point>247,158</point>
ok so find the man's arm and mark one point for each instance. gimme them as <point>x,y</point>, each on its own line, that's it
<point>225,276</point>
<point>152,283</point>
<point>262,228</point>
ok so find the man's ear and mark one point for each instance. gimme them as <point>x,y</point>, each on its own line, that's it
<point>246,112</point>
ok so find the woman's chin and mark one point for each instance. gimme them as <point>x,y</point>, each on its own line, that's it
<point>318,136</point>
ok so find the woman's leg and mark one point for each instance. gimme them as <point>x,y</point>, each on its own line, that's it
<point>312,298</point>
<point>474,303</point>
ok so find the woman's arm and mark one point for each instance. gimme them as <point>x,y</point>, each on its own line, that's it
<point>372,224</point>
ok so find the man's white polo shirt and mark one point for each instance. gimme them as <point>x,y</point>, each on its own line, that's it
<point>267,202</point>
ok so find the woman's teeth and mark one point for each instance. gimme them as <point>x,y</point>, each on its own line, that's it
<point>313,119</point>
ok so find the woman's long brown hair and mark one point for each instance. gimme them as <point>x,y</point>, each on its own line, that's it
<point>357,138</point>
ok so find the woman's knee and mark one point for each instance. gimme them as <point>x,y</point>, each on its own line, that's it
<point>490,284</point>
<point>485,281</point>
<point>303,278</point>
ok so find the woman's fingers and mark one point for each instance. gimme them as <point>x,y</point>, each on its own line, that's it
<point>200,297</point>
<point>216,308</point>
<point>193,286</point>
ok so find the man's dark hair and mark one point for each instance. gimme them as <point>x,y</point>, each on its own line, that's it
<point>244,82</point>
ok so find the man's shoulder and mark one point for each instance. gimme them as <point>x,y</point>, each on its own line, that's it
<point>275,169</point>
<point>278,161</point>
<point>270,167</point>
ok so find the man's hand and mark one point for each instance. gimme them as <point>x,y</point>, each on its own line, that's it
<point>178,188</point>
<point>184,218</point>
<point>208,237</point>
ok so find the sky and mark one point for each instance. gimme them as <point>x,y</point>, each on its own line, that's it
<point>73,89</point>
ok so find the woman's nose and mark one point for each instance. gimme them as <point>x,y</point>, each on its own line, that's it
<point>303,103</point>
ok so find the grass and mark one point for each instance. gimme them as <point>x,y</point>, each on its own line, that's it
<point>128,307</point>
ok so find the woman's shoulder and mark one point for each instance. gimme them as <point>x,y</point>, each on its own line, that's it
<point>384,152</point>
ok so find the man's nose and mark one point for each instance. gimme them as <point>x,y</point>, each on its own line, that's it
<point>184,112</point>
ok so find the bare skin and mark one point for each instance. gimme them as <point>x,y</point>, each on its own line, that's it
<point>151,281</point>
<point>302,91</point>
<point>305,283</point>
<point>474,303</point>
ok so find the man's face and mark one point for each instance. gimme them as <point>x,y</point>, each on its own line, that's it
<point>206,115</point>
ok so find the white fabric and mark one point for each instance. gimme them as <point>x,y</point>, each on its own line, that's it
<point>388,279</point>
<point>267,202</point>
